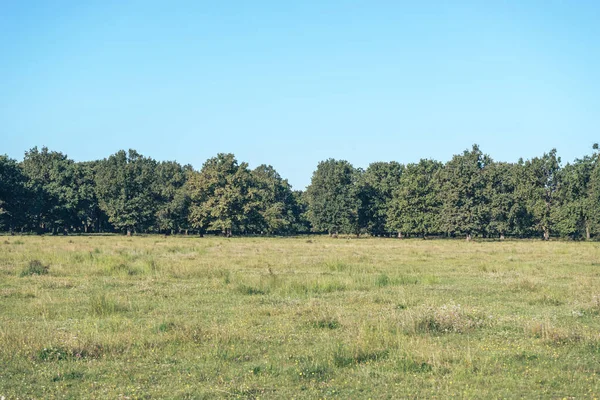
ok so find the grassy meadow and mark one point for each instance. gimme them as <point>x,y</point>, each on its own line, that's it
<point>306,317</point>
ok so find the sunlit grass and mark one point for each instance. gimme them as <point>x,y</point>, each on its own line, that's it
<point>178,317</point>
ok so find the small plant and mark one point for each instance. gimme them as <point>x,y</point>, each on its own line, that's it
<point>165,327</point>
<point>596,304</point>
<point>53,354</point>
<point>249,290</point>
<point>100,305</point>
<point>345,357</point>
<point>35,267</point>
<point>448,318</point>
<point>382,280</point>
<point>551,334</point>
<point>326,323</point>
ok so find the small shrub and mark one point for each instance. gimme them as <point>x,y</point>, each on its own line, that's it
<point>35,267</point>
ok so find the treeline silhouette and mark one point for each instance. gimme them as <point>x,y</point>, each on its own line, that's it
<point>470,195</point>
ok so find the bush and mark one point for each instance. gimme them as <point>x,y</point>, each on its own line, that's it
<point>35,267</point>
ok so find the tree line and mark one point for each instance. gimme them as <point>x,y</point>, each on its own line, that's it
<point>470,195</point>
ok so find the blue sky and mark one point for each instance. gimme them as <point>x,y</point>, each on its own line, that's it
<point>293,83</point>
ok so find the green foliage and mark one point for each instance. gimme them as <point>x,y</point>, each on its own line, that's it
<point>416,203</point>
<point>51,184</point>
<point>222,196</point>
<point>14,195</point>
<point>274,200</point>
<point>465,206</point>
<point>376,187</point>
<point>332,198</point>
<point>470,195</point>
<point>124,184</point>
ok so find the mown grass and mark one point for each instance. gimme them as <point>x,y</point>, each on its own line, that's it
<point>156,317</point>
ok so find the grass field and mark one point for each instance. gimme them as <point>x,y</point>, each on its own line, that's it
<point>166,317</point>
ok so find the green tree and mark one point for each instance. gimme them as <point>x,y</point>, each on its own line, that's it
<point>576,214</point>
<point>538,190</point>
<point>275,201</point>
<point>51,183</point>
<point>13,195</point>
<point>465,209</point>
<point>125,190</point>
<point>415,205</point>
<point>332,197</point>
<point>172,197</point>
<point>89,215</point>
<point>501,181</point>
<point>376,186</point>
<point>220,196</point>
<point>300,210</point>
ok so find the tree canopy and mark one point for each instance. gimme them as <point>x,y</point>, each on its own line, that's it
<point>470,195</point>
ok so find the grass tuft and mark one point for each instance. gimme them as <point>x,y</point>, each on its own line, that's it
<point>35,267</point>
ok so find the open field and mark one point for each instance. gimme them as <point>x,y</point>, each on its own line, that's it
<point>156,317</point>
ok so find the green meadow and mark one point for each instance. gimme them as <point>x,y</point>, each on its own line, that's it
<point>305,317</point>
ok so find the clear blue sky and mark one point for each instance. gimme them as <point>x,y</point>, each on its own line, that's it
<point>292,83</point>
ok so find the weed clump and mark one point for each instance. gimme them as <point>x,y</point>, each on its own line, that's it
<point>449,318</point>
<point>382,280</point>
<point>250,290</point>
<point>326,323</point>
<point>548,333</point>
<point>101,306</point>
<point>344,357</point>
<point>58,353</point>
<point>35,267</point>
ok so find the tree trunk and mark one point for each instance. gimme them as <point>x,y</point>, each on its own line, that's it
<point>587,232</point>
<point>12,231</point>
<point>469,237</point>
<point>546,234</point>
<point>399,235</point>
<point>128,231</point>
<point>502,236</point>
